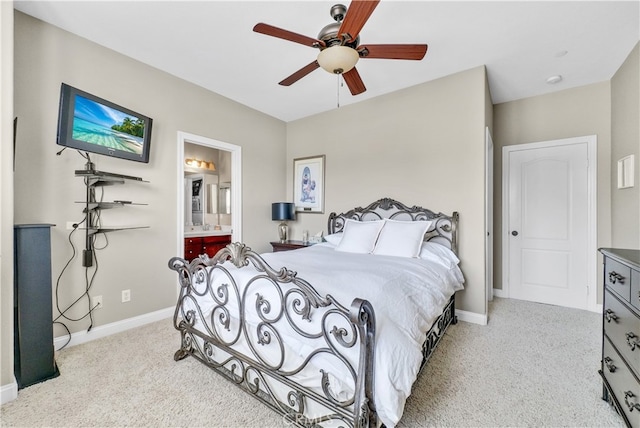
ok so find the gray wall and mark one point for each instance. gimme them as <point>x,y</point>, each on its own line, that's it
<point>611,111</point>
<point>6,201</point>
<point>423,145</point>
<point>625,140</point>
<point>569,113</point>
<point>46,188</point>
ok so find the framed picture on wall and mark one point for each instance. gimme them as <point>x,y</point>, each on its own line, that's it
<point>308,184</point>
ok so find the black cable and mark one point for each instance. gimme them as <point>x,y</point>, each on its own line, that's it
<point>68,334</point>
<point>89,284</point>
<point>73,255</point>
<point>58,286</point>
<point>62,312</point>
<point>88,279</point>
<point>98,221</point>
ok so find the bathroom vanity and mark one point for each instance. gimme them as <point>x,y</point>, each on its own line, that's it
<point>204,242</point>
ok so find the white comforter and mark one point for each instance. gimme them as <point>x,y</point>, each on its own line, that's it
<point>407,295</point>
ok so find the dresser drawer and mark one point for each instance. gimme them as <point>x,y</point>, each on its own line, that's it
<point>193,241</point>
<point>635,288</point>
<point>623,384</point>
<point>191,252</point>
<point>623,329</point>
<point>212,244</point>
<point>618,278</point>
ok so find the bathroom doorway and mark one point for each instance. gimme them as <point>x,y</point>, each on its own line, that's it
<point>213,181</point>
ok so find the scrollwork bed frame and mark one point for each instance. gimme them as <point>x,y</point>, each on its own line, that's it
<point>216,339</point>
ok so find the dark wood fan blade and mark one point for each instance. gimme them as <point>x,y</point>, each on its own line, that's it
<point>357,15</point>
<point>354,81</point>
<point>270,30</point>
<point>300,74</point>
<point>415,52</point>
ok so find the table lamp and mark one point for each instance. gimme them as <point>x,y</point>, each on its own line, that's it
<point>283,211</point>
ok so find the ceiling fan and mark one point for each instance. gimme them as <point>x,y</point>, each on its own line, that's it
<point>339,44</point>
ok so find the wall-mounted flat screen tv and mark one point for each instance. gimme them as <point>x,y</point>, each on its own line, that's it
<point>92,124</point>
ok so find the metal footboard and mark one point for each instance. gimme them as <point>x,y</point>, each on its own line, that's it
<point>253,333</point>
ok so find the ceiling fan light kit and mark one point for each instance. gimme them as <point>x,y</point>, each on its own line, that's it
<point>339,44</point>
<point>338,59</point>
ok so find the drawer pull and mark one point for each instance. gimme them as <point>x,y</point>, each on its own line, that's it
<point>631,406</point>
<point>632,340</point>
<point>615,276</point>
<point>609,363</point>
<point>609,315</point>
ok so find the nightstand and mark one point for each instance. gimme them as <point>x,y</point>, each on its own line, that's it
<point>289,245</point>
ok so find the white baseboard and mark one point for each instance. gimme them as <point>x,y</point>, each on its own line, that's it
<point>471,317</point>
<point>8,392</point>
<point>498,292</point>
<point>503,295</point>
<point>112,328</point>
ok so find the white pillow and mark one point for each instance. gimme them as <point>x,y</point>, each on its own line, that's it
<point>401,238</point>
<point>360,236</point>
<point>438,252</point>
<point>334,238</point>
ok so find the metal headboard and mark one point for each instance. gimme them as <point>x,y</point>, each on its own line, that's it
<point>443,229</point>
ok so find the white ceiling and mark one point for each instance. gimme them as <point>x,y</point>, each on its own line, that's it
<point>211,43</point>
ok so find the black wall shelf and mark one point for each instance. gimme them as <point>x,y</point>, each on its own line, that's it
<point>94,178</point>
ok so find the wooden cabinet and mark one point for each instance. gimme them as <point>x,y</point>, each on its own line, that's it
<point>620,365</point>
<point>209,245</point>
<point>289,245</point>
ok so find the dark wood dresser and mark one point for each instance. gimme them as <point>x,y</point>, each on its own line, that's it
<point>620,368</point>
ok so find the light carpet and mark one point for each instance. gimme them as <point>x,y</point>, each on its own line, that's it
<point>533,365</point>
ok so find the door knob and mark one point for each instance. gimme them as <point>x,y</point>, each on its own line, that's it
<point>514,233</point>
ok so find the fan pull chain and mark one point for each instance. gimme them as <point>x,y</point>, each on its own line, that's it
<point>340,85</point>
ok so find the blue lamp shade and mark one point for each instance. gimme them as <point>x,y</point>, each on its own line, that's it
<point>282,211</point>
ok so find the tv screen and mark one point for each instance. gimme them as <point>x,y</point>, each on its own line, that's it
<point>93,124</point>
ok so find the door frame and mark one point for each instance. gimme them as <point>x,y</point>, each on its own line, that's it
<point>236,186</point>
<point>488,208</point>
<point>592,225</point>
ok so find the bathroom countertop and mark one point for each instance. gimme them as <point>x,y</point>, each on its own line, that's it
<point>210,232</point>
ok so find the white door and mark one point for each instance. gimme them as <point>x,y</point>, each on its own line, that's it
<point>547,226</point>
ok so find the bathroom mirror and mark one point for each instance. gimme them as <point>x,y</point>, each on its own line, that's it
<point>224,198</point>
<point>212,199</point>
<point>194,200</point>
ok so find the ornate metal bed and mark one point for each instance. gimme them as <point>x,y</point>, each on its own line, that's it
<point>275,308</point>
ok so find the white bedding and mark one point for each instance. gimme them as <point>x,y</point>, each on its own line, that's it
<point>407,295</point>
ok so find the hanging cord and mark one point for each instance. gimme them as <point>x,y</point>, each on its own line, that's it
<point>98,222</point>
<point>89,278</point>
<point>85,155</point>
<point>338,91</point>
<point>88,284</point>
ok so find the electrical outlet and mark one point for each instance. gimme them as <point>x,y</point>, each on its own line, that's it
<point>70,225</point>
<point>126,295</point>
<point>96,302</point>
